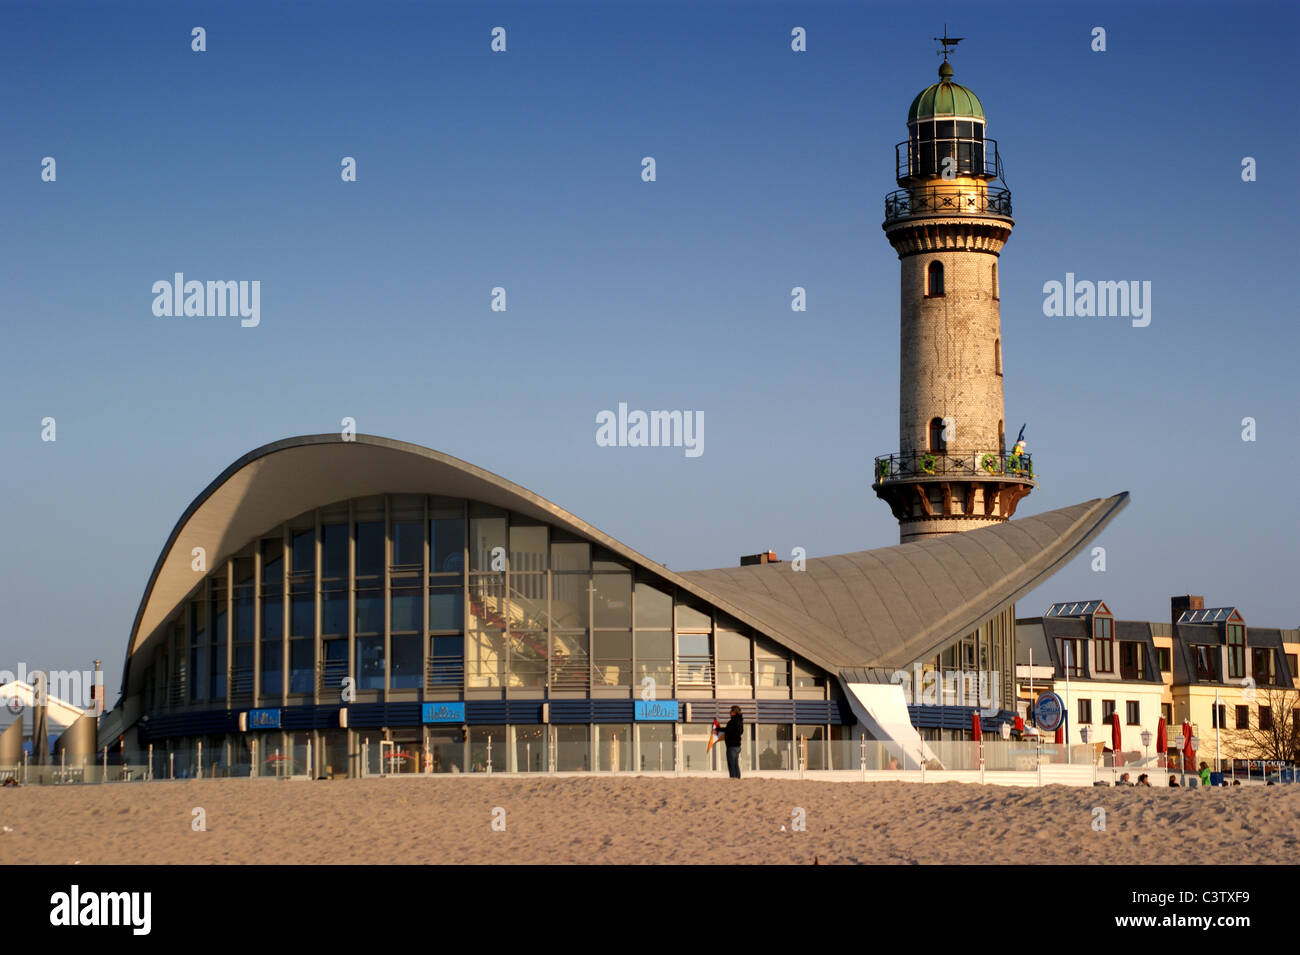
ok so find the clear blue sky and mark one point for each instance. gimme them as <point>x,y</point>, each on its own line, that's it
<point>523,170</point>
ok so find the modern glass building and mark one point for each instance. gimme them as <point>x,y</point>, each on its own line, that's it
<point>342,607</point>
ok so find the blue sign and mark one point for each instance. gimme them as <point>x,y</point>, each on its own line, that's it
<point>444,713</point>
<point>264,719</point>
<point>1048,712</point>
<point>652,710</point>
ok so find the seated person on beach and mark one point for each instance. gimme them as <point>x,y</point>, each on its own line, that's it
<point>1144,780</point>
<point>1173,782</point>
<point>1123,780</point>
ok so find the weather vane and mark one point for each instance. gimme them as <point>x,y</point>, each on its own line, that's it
<point>947,41</point>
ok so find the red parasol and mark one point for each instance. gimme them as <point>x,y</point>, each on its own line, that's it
<point>1189,754</point>
<point>976,733</point>
<point>1162,737</point>
<point>1060,735</point>
<point>1116,741</point>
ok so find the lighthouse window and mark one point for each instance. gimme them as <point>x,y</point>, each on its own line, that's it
<point>935,284</point>
<point>945,129</point>
<point>937,443</point>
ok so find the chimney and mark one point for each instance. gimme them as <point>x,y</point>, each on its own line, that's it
<point>1177,605</point>
<point>768,557</point>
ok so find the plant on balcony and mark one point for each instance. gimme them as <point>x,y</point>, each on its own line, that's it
<point>927,464</point>
<point>882,469</point>
<point>989,463</point>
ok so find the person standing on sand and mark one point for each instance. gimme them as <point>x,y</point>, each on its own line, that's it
<point>733,735</point>
<point>1205,774</point>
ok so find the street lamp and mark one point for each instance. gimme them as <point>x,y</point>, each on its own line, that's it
<point>1006,731</point>
<point>1146,742</point>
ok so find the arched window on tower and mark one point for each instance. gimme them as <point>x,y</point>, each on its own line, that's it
<point>995,280</point>
<point>1002,439</point>
<point>937,443</point>
<point>997,355</point>
<point>934,283</point>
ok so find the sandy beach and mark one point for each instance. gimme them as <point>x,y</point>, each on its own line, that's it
<point>640,820</point>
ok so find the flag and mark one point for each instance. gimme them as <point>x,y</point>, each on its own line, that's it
<point>715,734</point>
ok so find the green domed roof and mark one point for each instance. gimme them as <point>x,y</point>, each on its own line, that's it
<point>945,98</point>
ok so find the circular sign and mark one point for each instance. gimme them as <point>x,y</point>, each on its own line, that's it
<point>1049,711</point>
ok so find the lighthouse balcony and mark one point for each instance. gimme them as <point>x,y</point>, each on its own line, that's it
<point>948,465</point>
<point>955,200</point>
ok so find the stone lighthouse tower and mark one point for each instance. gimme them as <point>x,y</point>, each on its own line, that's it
<point>953,470</point>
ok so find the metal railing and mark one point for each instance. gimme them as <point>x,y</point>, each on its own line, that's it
<point>953,200</point>
<point>570,672</point>
<point>241,682</point>
<point>897,467</point>
<point>178,690</point>
<point>694,670</point>
<point>331,674</point>
<point>445,672</point>
<point>616,749</point>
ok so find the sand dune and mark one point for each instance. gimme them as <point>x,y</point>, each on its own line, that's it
<point>629,819</point>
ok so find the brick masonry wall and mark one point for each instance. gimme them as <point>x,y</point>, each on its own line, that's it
<point>948,354</point>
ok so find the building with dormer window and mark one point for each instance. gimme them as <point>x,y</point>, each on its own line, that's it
<point>1206,667</point>
<point>1098,665</point>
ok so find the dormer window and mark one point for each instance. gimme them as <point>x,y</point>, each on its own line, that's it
<point>1207,663</point>
<point>934,279</point>
<point>1071,665</point>
<point>1236,651</point>
<point>1261,666</point>
<point>1103,639</point>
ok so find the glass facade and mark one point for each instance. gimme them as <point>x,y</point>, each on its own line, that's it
<point>273,609</point>
<point>412,598</point>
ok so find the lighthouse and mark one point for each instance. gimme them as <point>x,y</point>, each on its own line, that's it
<point>948,221</point>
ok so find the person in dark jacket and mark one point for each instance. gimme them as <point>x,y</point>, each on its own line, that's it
<point>732,736</point>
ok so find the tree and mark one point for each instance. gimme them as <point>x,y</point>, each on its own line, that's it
<point>1276,737</point>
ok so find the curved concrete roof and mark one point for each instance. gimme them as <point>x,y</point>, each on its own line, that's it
<point>871,608</point>
<point>890,606</point>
